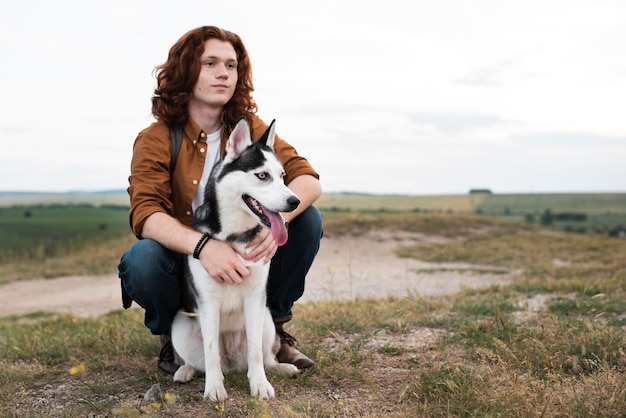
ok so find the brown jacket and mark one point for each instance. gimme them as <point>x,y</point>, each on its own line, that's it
<point>152,190</point>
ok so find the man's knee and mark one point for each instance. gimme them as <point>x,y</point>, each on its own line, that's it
<point>145,263</point>
<point>150,276</point>
<point>308,225</point>
<point>144,256</point>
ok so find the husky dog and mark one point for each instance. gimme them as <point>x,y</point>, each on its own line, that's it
<point>225,327</point>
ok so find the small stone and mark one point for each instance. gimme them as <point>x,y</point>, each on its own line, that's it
<point>153,393</point>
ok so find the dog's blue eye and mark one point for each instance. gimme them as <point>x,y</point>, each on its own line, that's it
<point>263,176</point>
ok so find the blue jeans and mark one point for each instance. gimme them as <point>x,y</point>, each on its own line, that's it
<point>151,273</point>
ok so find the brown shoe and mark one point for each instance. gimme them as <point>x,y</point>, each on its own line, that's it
<point>288,352</point>
<point>167,360</point>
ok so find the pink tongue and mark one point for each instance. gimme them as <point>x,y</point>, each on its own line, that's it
<point>279,232</point>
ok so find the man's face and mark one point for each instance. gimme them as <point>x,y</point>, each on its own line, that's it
<point>218,75</point>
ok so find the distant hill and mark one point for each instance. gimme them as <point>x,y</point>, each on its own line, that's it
<point>73,192</point>
<point>486,203</point>
<point>96,198</point>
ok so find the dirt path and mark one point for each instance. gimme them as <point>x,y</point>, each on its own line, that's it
<point>346,268</point>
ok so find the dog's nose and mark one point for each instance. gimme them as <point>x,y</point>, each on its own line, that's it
<point>293,202</point>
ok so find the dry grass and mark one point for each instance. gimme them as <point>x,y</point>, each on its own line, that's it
<point>89,260</point>
<point>479,353</point>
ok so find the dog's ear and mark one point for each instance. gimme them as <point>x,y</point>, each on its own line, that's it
<point>239,139</point>
<point>268,136</point>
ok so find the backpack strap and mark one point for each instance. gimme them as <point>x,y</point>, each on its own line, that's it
<point>176,135</point>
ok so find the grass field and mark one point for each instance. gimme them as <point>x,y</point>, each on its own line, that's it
<point>55,240</point>
<point>490,352</point>
<point>113,198</point>
<point>602,211</point>
<point>47,235</point>
<point>492,204</point>
<point>38,231</point>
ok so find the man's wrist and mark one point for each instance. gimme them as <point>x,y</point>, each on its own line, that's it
<point>201,244</point>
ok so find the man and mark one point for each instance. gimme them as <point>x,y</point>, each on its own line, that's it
<point>205,87</point>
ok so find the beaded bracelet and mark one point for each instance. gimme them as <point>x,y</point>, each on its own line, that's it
<point>200,245</point>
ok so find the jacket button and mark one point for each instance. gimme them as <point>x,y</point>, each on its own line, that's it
<point>195,182</point>
<point>202,150</point>
<point>188,213</point>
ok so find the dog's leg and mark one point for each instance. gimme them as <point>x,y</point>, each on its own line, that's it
<point>269,358</point>
<point>188,344</point>
<point>210,325</point>
<point>254,312</point>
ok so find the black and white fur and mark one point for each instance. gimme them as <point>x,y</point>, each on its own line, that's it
<point>230,326</point>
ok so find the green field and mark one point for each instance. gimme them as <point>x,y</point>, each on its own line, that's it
<point>591,204</point>
<point>38,230</point>
<point>52,224</point>
<point>113,198</point>
<point>46,231</point>
<point>492,204</point>
<point>602,211</point>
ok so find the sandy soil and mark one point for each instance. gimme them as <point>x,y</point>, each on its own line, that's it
<point>346,267</point>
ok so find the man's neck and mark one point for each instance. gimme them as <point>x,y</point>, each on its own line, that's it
<point>209,119</point>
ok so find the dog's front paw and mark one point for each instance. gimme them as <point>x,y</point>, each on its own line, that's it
<point>184,374</point>
<point>262,389</point>
<point>216,393</point>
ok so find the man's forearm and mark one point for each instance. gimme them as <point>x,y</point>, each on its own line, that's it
<point>308,189</point>
<point>170,233</point>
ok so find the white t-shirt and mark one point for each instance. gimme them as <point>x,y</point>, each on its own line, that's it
<point>212,157</point>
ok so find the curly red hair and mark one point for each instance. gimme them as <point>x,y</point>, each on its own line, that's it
<point>177,76</point>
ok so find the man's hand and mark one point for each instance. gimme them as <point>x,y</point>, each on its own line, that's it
<point>262,246</point>
<point>220,260</point>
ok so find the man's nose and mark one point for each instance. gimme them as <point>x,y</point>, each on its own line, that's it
<point>221,71</point>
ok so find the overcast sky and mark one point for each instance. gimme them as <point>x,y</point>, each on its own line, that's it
<point>416,97</point>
